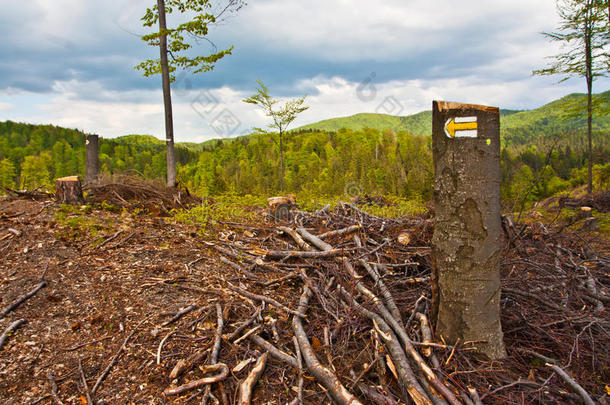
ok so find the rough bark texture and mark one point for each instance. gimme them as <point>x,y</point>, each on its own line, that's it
<point>467,234</point>
<point>68,190</point>
<point>93,161</point>
<point>167,99</point>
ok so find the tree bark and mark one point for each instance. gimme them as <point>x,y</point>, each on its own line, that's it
<point>468,232</point>
<point>68,190</point>
<point>281,164</point>
<point>93,161</point>
<point>589,77</point>
<point>167,99</point>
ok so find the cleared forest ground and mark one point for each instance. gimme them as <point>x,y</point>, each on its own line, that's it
<point>117,279</point>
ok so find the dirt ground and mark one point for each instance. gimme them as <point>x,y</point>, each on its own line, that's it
<point>113,273</point>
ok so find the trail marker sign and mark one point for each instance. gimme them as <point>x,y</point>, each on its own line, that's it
<point>461,127</point>
<point>467,232</point>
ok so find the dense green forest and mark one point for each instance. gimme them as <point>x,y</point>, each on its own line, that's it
<point>543,153</point>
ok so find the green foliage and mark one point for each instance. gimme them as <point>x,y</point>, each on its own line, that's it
<point>322,166</point>
<point>7,173</point>
<point>397,207</point>
<point>223,208</point>
<point>73,222</point>
<point>178,47</point>
<point>583,32</point>
<point>41,153</point>
<point>281,117</point>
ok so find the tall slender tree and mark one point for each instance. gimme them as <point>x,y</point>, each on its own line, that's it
<point>282,117</point>
<point>171,41</point>
<point>584,34</point>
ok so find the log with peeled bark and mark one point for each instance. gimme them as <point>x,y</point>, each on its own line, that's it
<point>405,374</point>
<point>340,232</point>
<point>281,254</point>
<point>296,237</point>
<point>314,240</point>
<point>222,369</point>
<point>246,387</point>
<point>328,379</point>
<point>69,190</point>
<point>9,331</point>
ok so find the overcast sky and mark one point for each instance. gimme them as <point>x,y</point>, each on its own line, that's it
<point>71,62</point>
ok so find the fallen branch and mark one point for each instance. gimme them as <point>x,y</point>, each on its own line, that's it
<point>71,349</point>
<point>406,341</point>
<point>161,346</point>
<point>281,254</point>
<point>268,300</point>
<point>328,379</point>
<point>404,372</point>
<point>297,349</point>
<point>180,314</point>
<point>239,268</point>
<point>84,381</point>
<point>9,331</point>
<point>274,351</point>
<point>340,232</point>
<point>572,383</point>
<point>110,239</point>
<point>240,257</point>
<point>222,374</point>
<point>296,237</point>
<point>427,339</point>
<point>53,384</point>
<point>104,374</point>
<point>246,387</point>
<point>314,240</point>
<point>215,349</point>
<point>22,299</point>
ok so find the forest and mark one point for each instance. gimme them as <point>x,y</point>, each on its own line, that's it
<point>543,153</point>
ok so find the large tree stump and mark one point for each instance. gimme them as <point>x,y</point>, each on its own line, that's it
<point>467,239</point>
<point>68,190</point>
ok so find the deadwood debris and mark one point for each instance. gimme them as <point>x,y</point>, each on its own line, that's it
<point>354,299</point>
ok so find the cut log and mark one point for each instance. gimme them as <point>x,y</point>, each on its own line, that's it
<point>68,190</point>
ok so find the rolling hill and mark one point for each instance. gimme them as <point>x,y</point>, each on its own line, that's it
<point>518,126</point>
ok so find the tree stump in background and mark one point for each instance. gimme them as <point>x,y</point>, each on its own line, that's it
<point>68,190</point>
<point>280,207</point>
<point>93,160</point>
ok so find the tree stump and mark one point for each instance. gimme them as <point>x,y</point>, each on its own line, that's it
<point>68,190</point>
<point>280,207</point>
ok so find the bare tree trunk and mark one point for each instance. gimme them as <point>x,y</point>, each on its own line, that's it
<point>589,77</point>
<point>281,164</point>
<point>167,99</point>
<point>93,160</point>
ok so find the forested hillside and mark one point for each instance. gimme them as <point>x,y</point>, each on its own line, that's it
<point>543,152</point>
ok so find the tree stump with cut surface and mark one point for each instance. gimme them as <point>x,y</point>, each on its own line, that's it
<point>68,190</point>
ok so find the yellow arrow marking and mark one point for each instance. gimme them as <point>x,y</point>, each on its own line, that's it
<point>453,126</point>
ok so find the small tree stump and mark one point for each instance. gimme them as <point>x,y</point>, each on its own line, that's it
<point>68,190</point>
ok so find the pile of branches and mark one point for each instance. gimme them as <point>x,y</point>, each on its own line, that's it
<point>342,298</point>
<point>35,195</point>
<point>134,192</point>
<point>598,201</point>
